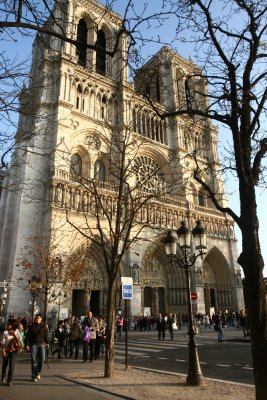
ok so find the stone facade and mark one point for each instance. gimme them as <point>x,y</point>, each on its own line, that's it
<point>76,96</point>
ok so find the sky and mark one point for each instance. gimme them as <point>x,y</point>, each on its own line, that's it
<point>21,49</point>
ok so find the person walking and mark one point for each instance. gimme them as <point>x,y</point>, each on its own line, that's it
<point>170,322</point>
<point>119,325</point>
<point>100,337</point>
<point>36,341</point>
<point>10,344</point>
<point>218,321</point>
<point>92,323</point>
<point>60,337</point>
<point>243,318</point>
<point>74,338</point>
<point>161,326</point>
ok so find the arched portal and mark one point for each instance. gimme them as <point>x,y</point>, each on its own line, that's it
<point>217,282</point>
<point>163,285</point>
<point>91,291</point>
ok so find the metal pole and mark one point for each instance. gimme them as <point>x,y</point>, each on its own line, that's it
<point>126,335</point>
<point>195,376</point>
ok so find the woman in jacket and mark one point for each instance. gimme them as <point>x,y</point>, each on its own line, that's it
<point>10,342</point>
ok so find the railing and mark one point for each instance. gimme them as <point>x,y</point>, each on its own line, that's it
<point>165,212</point>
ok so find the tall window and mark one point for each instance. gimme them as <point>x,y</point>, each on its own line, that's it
<point>81,48</point>
<point>188,96</point>
<point>100,53</point>
<point>79,97</point>
<point>75,166</point>
<point>99,170</point>
<point>201,199</point>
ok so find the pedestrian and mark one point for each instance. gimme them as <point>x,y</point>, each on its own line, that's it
<point>219,324</point>
<point>20,327</point>
<point>75,336</point>
<point>161,326</point>
<point>244,322</point>
<point>207,321</point>
<point>100,337</point>
<point>119,325</point>
<point>11,344</point>
<point>60,338</point>
<point>90,322</point>
<point>36,342</point>
<point>170,322</point>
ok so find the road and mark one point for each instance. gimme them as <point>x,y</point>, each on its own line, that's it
<point>230,360</point>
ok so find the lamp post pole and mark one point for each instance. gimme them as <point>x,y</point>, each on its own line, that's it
<point>195,376</point>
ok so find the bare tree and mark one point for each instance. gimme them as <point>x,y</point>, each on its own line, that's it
<point>51,267</point>
<point>114,206</point>
<point>233,59</point>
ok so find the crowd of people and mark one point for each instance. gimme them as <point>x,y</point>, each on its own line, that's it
<point>68,337</point>
<point>90,333</point>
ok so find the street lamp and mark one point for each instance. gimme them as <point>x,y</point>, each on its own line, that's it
<point>35,283</point>
<point>3,302</point>
<point>195,376</point>
<point>61,300</point>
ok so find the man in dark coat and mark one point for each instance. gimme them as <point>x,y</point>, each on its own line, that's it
<point>36,341</point>
<point>161,327</point>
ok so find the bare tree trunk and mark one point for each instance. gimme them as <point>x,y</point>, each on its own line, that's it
<point>45,306</point>
<point>110,354</point>
<point>255,290</point>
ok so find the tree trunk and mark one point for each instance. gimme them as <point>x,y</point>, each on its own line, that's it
<point>45,306</point>
<point>110,354</point>
<point>255,290</point>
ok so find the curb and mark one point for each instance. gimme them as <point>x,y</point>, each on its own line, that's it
<point>95,387</point>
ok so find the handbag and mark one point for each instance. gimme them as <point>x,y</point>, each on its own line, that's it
<point>87,334</point>
<point>174,326</point>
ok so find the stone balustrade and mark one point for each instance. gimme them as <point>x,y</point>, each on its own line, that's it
<point>165,213</point>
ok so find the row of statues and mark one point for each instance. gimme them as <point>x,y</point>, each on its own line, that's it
<point>81,200</point>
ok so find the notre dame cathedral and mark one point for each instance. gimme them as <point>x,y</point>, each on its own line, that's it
<point>75,96</point>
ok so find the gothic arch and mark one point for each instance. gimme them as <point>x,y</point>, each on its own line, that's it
<point>217,281</point>
<point>92,287</point>
<point>166,281</point>
<point>81,49</point>
<point>158,156</point>
<point>83,154</point>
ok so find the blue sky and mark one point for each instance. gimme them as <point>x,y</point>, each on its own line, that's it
<point>21,48</point>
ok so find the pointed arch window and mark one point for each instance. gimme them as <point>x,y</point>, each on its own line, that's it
<point>201,199</point>
<point>188,97</point>
<point>100,53</point>
<point>99,170</point>
<point>79,97</point>
<point>104,107</point>
<point>75,166</point>
<point>81,48</point>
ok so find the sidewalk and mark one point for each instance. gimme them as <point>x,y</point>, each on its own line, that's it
<point>136,383</point>
<point>132,384</point>
<point>63,376</point>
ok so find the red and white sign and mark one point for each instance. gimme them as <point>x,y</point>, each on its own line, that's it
<point>193,296</point>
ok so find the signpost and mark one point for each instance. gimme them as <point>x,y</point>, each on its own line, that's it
<point>127,288</point>
<point>126,294</point>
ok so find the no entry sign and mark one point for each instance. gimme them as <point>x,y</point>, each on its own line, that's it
<point>193,296</point>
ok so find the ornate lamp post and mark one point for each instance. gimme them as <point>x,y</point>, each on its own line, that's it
<point>61,300</point>
<point>35,283</point>
<point>195,376</point>
<point>3,302</point>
